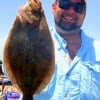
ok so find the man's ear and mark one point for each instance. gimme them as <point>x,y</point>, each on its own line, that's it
<point>84,14</point>
<point>53,7</point>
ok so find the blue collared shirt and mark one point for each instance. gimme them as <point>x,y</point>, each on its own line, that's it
<point>81,79</point>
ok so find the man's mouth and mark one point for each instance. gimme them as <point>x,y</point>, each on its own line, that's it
<point>69,18</point>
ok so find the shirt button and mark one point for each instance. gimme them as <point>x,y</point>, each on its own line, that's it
<point>67,74</point>
<point>65,95</point>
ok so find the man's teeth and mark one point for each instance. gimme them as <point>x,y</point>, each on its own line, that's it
<point>67,17</point>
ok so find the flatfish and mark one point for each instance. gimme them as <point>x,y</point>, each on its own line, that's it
<point>29,57</point>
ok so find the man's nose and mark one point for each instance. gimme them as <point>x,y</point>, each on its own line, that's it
<point>71,9</point>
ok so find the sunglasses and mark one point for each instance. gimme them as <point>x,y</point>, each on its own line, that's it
<point>78,7</point>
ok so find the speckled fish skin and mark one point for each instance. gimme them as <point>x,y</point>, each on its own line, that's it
<point>29,52</point>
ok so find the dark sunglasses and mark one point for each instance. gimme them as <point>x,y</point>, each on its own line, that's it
<point>78,7</point>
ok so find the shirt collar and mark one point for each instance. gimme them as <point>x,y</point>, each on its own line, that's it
<point>62,43</point>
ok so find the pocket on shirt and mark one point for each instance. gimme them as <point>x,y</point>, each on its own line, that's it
<point>75,80</point>
<point>72,85</point>
<point>94,74</point>
<point>95,83</point>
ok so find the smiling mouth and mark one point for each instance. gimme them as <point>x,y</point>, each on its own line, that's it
<point>69,18</point>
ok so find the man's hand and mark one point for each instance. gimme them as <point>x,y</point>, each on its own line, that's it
<point>22,15</point>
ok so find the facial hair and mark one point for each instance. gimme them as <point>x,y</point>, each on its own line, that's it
<point>66,26</point>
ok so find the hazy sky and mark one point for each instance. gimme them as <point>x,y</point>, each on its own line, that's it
<point>9,9</point>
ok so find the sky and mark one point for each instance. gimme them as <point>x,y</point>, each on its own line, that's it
<point>9,9</point>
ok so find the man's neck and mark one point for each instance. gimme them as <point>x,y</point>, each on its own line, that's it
<point>73,39</point>
<point>74,43</point>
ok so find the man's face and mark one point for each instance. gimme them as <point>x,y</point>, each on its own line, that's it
<point>69,15</point>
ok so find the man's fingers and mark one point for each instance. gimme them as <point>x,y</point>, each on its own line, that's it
<point>23,16</point>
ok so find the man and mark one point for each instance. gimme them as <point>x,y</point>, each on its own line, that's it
<point>77,68</point>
